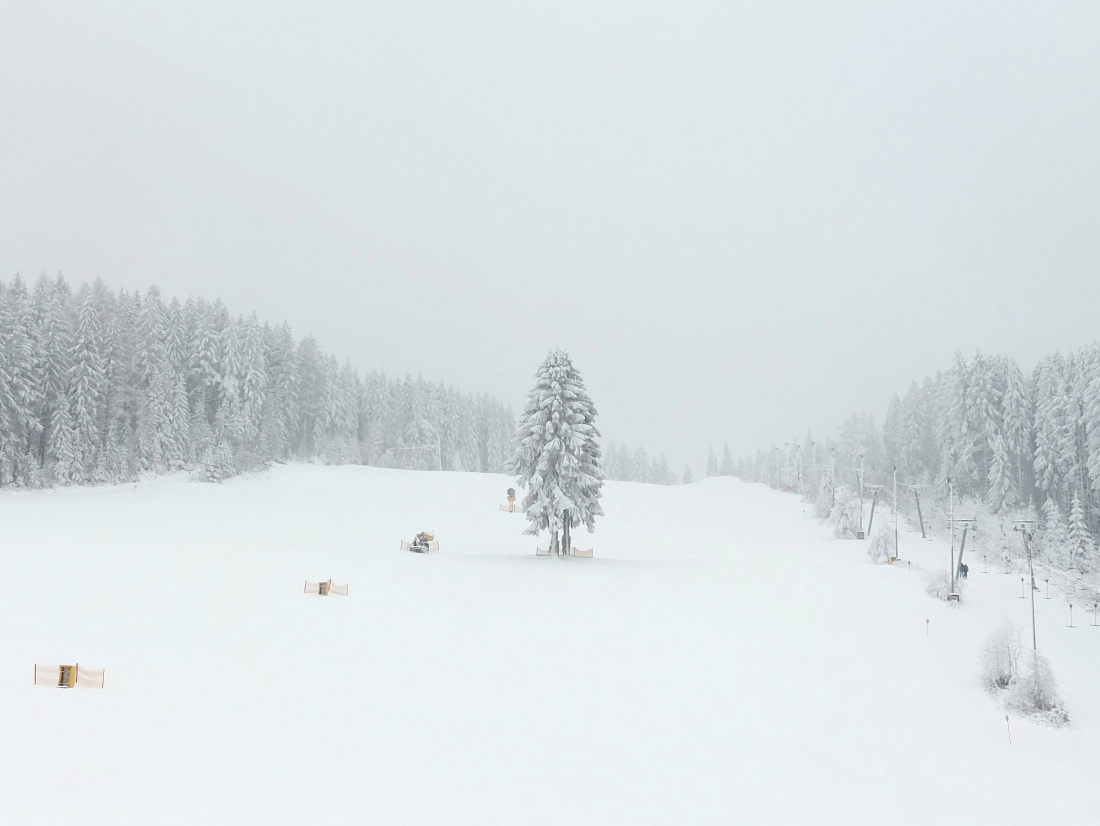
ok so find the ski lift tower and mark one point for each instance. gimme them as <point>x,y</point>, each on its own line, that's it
<point>860,534</point>
<point>920,514</point>
<point>1027,531</point>
<point>874,489</point>
<point>951,511</point>
<point>896,511</point>
<point>956,567</point>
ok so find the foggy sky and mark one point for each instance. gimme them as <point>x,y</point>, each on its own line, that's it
<point>742,220</point>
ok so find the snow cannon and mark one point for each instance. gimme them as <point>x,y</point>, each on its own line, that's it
<point>511,507</point>
<point>424,543</point>
<point>326,588</point>
<point>68,676</point>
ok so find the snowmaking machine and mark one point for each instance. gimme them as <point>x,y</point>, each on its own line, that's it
<point>423,543</point>
<point>512,506</point>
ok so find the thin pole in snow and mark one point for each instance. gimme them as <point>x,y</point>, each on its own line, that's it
<point>1022,527</point>
<point>1048,588</point>
<point>1022,588</point>
<point>951,487</point>
<point>896,553</point>
<point>1071,625</point>
<point>1095,608</point>
<point>1009,730</point>
<point>927,632</point>
<point>861,493</point>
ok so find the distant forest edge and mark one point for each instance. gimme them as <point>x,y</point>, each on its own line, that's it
<point>101,387</point>
<point>98,387</point>
<point>1015,447</point>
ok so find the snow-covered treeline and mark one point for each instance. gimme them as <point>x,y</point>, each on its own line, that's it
<point>99,387</point>
<point>1015,447</point>
<point>622,464</point>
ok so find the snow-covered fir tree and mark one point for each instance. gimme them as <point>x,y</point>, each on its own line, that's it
<point>1016,444</point>
<point>556,456</point>
<point>1080,547</point>
<point>99,387</point>
<point>726,468</point>
<point>662,475</point>
<point>1053,538</point>
<point>1003,493</point>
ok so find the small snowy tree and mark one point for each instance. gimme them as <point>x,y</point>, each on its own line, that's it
<point>1000,658</point>
<point>712,463</point>
<point>217,464</point>
<point>883,547</point>
<point>938,584</point>
<point>557,458</point>
<point>845,514</point>
<point>1035,692</point>
<point>687,474</point>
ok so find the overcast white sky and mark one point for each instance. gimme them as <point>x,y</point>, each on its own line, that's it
<point>741,219</point>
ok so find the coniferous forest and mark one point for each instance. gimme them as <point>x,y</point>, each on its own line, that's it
<point>1006,446</point>
<point>102,387</point>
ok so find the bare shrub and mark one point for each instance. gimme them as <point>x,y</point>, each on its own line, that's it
<point>1000,658</point>
<point>845,514</point>
<point>883,546</point>
<point>938,584</point>
<point>1035,693</point>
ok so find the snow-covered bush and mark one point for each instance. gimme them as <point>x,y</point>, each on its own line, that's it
<point>1035,693</point>
<point>216,465</point>
<point>938,584</point>
<point>845,514</point>
<point>883,546</point>
<point>1000,658</point>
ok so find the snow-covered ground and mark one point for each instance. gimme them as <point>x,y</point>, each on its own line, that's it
<point>722,659</point>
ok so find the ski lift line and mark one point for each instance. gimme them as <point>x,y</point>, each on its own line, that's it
<point>1069,585</point>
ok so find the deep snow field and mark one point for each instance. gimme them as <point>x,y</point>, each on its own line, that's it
<point>722,659</point>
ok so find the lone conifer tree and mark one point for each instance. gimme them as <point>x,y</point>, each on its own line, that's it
<point>556,455</point>
<point>727,468</point>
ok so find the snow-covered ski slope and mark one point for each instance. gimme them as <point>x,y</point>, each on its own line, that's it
<point>722,659</point>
